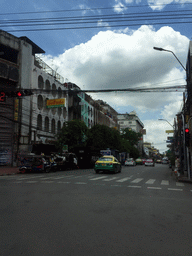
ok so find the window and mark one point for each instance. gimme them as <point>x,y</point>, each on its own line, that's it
<point>59,111</point>
<point>46,124</point>
<point>58,126</point>
<point>40,102</point>
<point>54,92</point>
<point>40,82</point>
<point>53,126</point>
<point>59,93</point>
<point>39,122</point>
<point>47,86</point>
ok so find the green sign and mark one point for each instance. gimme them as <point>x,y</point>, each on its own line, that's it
<point>65,148</point>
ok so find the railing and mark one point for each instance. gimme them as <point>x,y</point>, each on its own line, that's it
<point>49,70</point>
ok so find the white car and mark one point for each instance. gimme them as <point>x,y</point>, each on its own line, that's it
<point>130,162</point>
<point>149,162</point>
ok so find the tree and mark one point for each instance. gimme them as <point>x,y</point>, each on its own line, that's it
<point>73,133</point>
<point>131,136</point>
<point>129,140</point>
<point>102,137</point>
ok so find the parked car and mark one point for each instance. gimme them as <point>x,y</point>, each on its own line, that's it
<point>130,162</point>
<point>139,161</point>
<point>149,162</point>
<point>107,163</point>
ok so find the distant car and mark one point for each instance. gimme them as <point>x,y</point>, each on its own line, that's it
<point>158,161</point>
<point>130,162</point>
<point>143,161</point>
<point>139,161</point>
<point>149,162</point>
<point>165,161</point>
<point>107,163</point>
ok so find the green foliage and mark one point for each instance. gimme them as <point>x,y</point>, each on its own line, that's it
<point>72,134</point>
<point>75,133</point>
<point>102,137</point>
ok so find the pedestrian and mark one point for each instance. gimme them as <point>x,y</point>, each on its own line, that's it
<point>177,166</point>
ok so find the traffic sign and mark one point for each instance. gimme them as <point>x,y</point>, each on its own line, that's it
<point>169,131</point>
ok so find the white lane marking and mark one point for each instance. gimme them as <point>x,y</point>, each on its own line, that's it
<point>31,181</point>
<point>98,178</point>
<point>124,179</point>
<point>65,182</point>
<point>17,182</point>
<point>134,186</point>
<point>47,178</point>
<point>137,180</point>
<point>154,188</point>
<point>110,179</point>
<point>116,185</point>
<point>47,181</point>
<point>179,184</point>
<point>32,177</point>
<point>165,182</point>
<point>80,183</point>
<point>175,189</point>
<point>150,181</point>
<point>97,184</point>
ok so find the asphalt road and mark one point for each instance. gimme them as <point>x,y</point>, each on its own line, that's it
<point>140,211</point>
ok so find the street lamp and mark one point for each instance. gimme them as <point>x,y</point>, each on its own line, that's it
<point>161,49</point>
<point>166,121</point>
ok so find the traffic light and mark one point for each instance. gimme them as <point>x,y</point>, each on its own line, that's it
<point>14,94</point>
<point>2,97</point>
<point>187,137</point>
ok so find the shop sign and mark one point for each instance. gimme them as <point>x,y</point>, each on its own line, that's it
<point>56,103</point>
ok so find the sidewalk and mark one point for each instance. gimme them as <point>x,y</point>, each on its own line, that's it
<point>8,170</point>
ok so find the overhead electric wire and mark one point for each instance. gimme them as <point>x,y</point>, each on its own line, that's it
<point>100,21</point>
<point>96,8</point>
<point>109,16</point>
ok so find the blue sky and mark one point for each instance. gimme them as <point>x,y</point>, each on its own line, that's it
<point>113,57</point>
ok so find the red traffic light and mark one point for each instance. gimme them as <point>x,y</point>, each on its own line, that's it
<point>187,130</point>
<point>19,94</point>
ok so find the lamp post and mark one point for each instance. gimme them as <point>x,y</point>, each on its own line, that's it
<point>166,121</point>
<point>185,149</point>
<point>161,49</point>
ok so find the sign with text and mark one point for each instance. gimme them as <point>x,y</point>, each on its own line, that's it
<point>56,103</point>
<point>169,131</point>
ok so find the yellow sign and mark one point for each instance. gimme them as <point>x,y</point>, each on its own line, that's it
<point>55,103</point>
<point>169,131</point>
<point>16,110</point>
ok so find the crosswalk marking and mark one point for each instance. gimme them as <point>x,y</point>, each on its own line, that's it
<point>175,189</point>
<point>131,186</point>
<point>154,188</point>
<point>124,179</point>
<point>179,184</point>
<point>110,179</point>
<point>98,178</point>
<point>151,181</point>
<point>164,182</point>
<point>137,180</point>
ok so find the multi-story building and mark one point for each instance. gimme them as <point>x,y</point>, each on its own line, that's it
<point>132,122</point>
<point>106,115</point>
<point>30,119</point>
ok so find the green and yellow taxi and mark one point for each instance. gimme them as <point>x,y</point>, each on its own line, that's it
<point>107,163</point>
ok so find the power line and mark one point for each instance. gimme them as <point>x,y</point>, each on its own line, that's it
<point>95,9</point>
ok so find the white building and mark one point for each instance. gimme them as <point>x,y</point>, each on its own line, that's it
<point>132,122</point>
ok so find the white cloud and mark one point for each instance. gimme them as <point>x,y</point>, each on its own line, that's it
<point>160,4</point>
<point>116,59</point>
